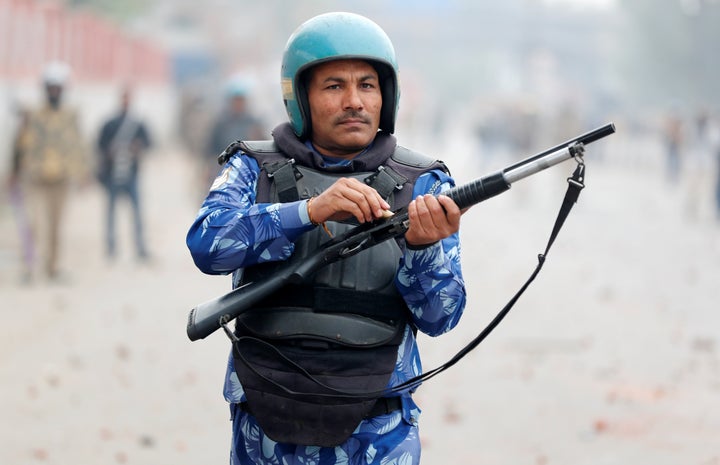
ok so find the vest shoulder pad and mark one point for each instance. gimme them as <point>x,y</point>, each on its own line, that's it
<point>259,146</point>
<point>407,157</point>
<point>253,147</point>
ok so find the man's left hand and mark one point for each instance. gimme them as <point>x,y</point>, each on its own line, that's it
<point>431,219</point>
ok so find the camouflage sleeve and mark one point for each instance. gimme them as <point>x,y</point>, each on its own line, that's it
<point>430,279</point>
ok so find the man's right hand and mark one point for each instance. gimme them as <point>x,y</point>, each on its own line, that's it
<point>345,198</point>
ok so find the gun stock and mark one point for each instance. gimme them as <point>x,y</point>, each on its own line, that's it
<point>209,316</point>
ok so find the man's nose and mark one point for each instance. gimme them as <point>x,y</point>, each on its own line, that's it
<point>352,98</point>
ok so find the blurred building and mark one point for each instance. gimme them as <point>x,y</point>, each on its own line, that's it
<point>34,32</point>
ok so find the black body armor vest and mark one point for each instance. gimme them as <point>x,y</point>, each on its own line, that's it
<point>306,355</point>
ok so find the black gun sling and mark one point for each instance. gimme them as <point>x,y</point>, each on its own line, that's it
<point>317,399</point>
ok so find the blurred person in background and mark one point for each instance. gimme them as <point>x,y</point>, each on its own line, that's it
<point>333,165</point>
<point>717,184</point>
<point>193,125</point>
<point>17,201</point>
<point>673,135</point>
<point>234,122</point>
<point>714,141</point>
<point>122,144</point>
<point>50,153</point>
<point>698,167</point>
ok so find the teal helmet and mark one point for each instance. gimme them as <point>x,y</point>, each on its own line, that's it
<point>337,36</point>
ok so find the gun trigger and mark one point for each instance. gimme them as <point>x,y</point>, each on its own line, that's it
<point>348,251</point>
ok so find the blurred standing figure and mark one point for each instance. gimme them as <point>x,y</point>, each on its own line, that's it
<point>698,167</point>
<point>714,137</point>
<point>717,182</point>
<point>235,122</point>
<point>16,195</point>
<point>49,154</point>
<point>193,123</point>
<point>122,144</point>
<point>673,138</point>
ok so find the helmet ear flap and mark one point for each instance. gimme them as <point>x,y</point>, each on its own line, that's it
<point>303,79</point>
<point>390,95</point>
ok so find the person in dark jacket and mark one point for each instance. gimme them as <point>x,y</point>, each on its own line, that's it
<point>122,144</point>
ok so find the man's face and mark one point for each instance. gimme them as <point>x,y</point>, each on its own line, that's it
<point>54,94</point>
<point>345,102</point>
<point>237,104</point>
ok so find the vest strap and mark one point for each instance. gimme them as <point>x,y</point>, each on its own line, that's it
<point>336,300</point>
<point>382,406</point>
<point>285,176</point>
<point>300,326</point>
<point>386,180</point>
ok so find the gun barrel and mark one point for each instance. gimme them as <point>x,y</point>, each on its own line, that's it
<point>597,134</point>
<point>587,138</point>
<point>497,183</point>
<point>538,164</point>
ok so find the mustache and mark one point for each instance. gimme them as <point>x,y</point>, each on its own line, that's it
<point>353,114</point>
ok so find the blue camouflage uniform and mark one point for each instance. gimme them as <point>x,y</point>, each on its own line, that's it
<point>231,231</point>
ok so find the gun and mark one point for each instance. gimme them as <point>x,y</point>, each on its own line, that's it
<point>210,316</point>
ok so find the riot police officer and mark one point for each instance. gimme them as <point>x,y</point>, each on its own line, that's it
<point>306,360</point>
